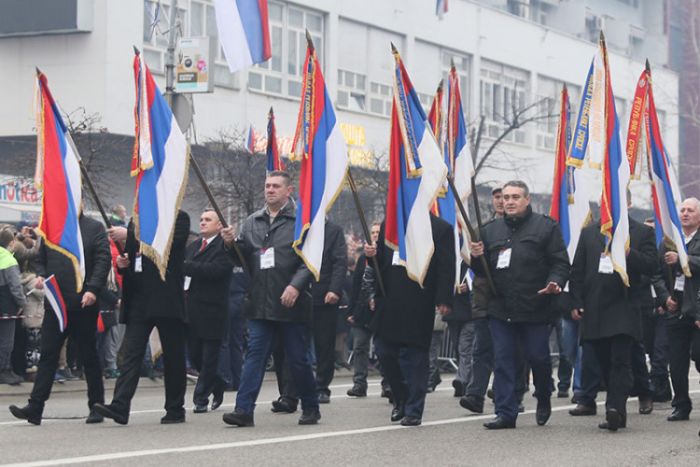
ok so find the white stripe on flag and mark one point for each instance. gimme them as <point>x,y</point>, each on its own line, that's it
<point>232,35</point>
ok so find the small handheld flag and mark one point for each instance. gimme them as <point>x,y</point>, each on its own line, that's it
<point>58,175</point>
<point>250,140</point>
<point>53,295</point>
<point>320,146</point>
<point>274,162</point>
<point>244,32</point>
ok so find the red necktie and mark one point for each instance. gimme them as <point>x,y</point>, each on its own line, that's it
<point>204,245</point>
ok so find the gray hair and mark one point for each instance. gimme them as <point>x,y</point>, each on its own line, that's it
<point>518,184</point>
<point>693,200</point>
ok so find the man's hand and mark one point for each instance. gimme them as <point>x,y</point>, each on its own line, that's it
<point>577,314</point>
<point>371,304</point>
<point>697,324</point>
<point>39,284</point>
<point>350,319</point>
<point>551,289</point>
<point>477,249</point>
<point>331,298</point>
<point>443,309</point>
<point>289,296</point>
<point>671,305</point>
<point>89,298</point>
<point>123,261</point>
<point>670,257</point>
<point>228,235</point>
<point>117,234</point>
<point>370,250</point>
<point>462,288</point>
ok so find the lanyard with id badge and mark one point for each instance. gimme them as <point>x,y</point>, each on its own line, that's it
<point>504,258</point>
<point>605,266</point>
<point>267,258</point>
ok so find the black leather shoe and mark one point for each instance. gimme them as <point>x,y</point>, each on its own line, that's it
<point>283,406</point>
<point>94,417</point>
<point>216,400</point>
<point>411,421</point>
<point>357,391</point>
<point>678,415</point>
<point>521,408</point>
<point>199,409</point>
<point>108,412</point>
<point>583,410</point>
<point>499,423</point>
<point>543,412</point>
<point>386,393</point>
<point>613,421</point>
<point>397,413</point>
<point>309,417</point>
<point>324,398</point>
<point>472,404</point>
<point>646,405</point>
<point>171,418</point>
<point>562,394</point>
<point>459,388</point>
<point>489,393</point>
<point>27,413</point>
<point>239,418</point>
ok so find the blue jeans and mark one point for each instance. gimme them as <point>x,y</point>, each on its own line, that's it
<point>233,344</point>
<point>261,339</point>
<point>534,339</point>
<point>406,370</point>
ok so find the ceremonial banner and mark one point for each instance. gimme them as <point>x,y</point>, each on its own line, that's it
<point>244,32</point>
<point>319,144</point>
<point>58,175</point>
<point>636,127</point>
<point>160,163</point>
<point>273,154</point>
<point>417,171</point>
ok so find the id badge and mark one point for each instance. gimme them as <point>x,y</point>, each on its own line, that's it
<point>395,259</point>
<point>267,258</point>
<point>605,266</point>
<point>138,265</point>
<point>680,283</point>
<point>188,279</point>
<point>504,259</point>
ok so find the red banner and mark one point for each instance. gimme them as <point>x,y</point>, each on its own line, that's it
<point>636,124</point>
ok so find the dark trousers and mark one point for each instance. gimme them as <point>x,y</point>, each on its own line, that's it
<point>233,345</point>
<point>641,386</point>
<point>534,344</point>
<point>82,328</point>
<point>482,360</point>
<point>657,346</point>
<point>323,328</point>
<point>615,359</point>
<point>406,370</point>
<point>361,339</point>
<point>172,338</point>
<point>590,375</point>
<point>684,341</point>
<point>205,358</point>
<point>566,363</point>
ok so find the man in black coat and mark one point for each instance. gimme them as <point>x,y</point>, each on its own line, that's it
<point>528,262</point>
<point>680,300</point>
<point>405,319</point>
<point>610,311</point>
<point>148,302</point>
<point>82,319</point>
<point>459,322</point>
<point>207,277</point>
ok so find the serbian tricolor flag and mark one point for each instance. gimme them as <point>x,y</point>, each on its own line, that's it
<point>665,191</point>
<point>444,205</point>
<point>440,8</point>
<point>614,221</point>
<point>320,146</point>
<point>244,32</point>
<point>250,140</point>
<point>570,207</point>
<point>273,153</point>
<point>58,175</point>
<point>160,165</point>
<point>417,172</point>
<point>52,294</point>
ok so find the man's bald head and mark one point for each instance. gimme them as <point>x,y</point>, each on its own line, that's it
<point>690,215</point>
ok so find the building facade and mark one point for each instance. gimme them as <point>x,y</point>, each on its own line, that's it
<point>511,56</point>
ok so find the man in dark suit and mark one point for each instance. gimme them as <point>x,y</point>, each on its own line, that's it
<point>82,319</point>
<point>610,312</point>
<point>207,277</point>
<point>405,319</point>
<point>148,302</point>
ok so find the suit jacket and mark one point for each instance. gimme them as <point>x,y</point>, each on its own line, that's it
<point>145,295</point>
<point>334,265</point>
<point>689,305</point>
<point>609,307</point>
<point>207,297</point>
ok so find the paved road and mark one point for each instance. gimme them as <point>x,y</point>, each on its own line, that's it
<point>352,432</point>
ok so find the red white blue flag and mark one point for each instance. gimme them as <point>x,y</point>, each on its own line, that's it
<point>250,140</point>
<point>665,191</point>
<point>160,163</point>
<point>274,162</point>
<point>417,172</point>
<point>58,175</point>
<point>53,295</point>
<point>440,8</point>
<point>320,146</point>
<point>614,221</point>
<point>244,32</point>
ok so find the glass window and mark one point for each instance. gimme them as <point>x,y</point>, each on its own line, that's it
<point>196,19</point>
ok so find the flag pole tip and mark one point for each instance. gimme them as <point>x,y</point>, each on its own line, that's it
<point>647,66</point>
<point>309,41</point>
<point>394,50</point>
<point>38,71</point>
<point>566,88</point>
<point>271,111</point>
<point>137,51</point>
<point>602,36</point>
<point>452,63</point>
<point>440,84</point>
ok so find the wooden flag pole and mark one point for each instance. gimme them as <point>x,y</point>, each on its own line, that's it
<point>365,229</point>
<point>472,233</point>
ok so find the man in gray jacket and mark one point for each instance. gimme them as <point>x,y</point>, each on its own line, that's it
<point>278,301</point>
